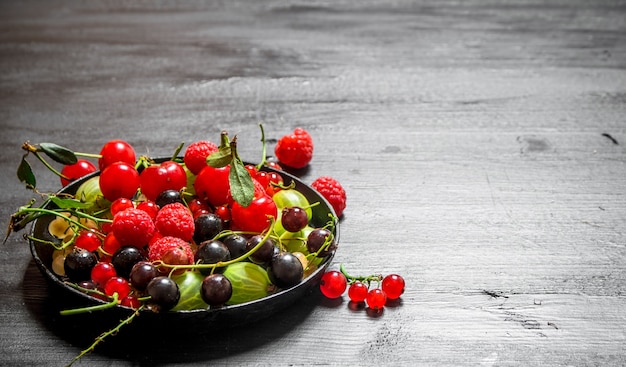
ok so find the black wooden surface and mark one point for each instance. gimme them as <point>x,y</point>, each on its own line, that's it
<point>481,144</point>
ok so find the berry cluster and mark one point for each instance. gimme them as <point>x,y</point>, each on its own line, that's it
<point>390,287</point>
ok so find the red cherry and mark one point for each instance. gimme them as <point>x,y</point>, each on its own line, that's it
<point>116,151</point>
<point>77,170</point>
<point>119,180</point>
<point>157,178</point>
<point>212,185</point>
<point>254,217</point>
<point>333,283</point>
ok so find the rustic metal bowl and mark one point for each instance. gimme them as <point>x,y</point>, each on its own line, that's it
<point>226,316</point>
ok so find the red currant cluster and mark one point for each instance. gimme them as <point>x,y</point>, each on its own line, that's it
<point>390,287</point>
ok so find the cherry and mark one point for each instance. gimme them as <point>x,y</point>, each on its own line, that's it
<point>393,285</point>
<point>376,299</point>
<point>157,178</point>
<point>72,172</point>
<point>116,151</point>
<point>254,217</point>
<point>119,180</point>
<point>212,185</point>
<point>333,283</point>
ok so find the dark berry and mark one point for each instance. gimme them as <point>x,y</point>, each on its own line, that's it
<point>264,254</point>
<point>236,244</point>
<point>207,226</point>
<point>78,264</point>
<point>164,293</point>
<point>318,238</point>
<point>294,218</point>
<point>168,197</point>
<point>142,273</point>
<point>125,258</point>
<point>216,290</point>
<point>285,270</point>
<point>211,252</point>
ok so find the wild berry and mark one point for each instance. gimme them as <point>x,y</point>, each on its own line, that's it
<point>166,247</point>
<point>332,191</point>
<point>133,227</point>
<point>175,220</point>
<point>196,153</point>
<point>296,149</point>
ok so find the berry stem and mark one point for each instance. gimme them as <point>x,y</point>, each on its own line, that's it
<point>76,311</point>
<point>365,279</point>
<point>264,149</point>
<point>102,336</point>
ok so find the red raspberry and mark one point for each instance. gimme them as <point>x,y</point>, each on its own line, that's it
<point>175,220</point>
<point>171,250</point>
<point>133,227</point>
<point>332,191</point>
<point>295,150</point>
<point>196,153</point>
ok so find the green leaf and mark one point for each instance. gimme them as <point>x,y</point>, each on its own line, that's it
<point>25,173</point>
<point>241,185</point>
<point>58,153</point>
<point>222,158</point>
<point>68,203</point>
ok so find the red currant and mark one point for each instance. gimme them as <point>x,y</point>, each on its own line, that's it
<point>376,299</point>
<point>224,213</point>
<point>157,178</point>
<point>117,285</point>
<point>149,207</point>
<point>119,180</point>
<point>198,207</point>
<point>116,151</point>
<point>88,240</point>
<point>111,244</point>
<point>393,285</point>
<point>357,292</point>
<point>333,283</point>
<point>130,301</point>
<point>72,172</point>
<point>102,272</point>
<point>120,204</point>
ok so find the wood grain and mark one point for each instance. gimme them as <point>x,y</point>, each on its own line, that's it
<point>481,145</point>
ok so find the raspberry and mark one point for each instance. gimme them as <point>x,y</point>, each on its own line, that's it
<point>295,150</point>
<point>175,220</point>
<point>196,153</point>
<point>133,227</point>
<point>332,191</point>
<point>171,250</point>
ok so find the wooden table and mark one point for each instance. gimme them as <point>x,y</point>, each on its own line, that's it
<point>481,145</point>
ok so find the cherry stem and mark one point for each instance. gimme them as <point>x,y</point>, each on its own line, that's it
<point>264,149</point>
<point>45,163</point>
<point>365,279</point>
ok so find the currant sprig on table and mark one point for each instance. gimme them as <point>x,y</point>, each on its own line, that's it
<point>360,290</point>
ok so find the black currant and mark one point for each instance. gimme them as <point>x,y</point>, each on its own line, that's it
<point>216,290</point>
<point>285,270</point>
<point>263,255</point>
<point>124,259</point>
<point>318,238</point>
<point>236,244</point>
<point>207,226</point>
<point>78,264</point>
<point>294,218</point>
<point>211,252</point>
<point>168,197</point>
<point>164,293</point>
<point>142,273</point>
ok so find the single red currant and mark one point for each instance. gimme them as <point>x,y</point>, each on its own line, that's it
<point>101,273</point>
<point>376,299</point>
<point>393,285</point>
<point>333,283</point>
<point>149,207</point>
<point>72,172</point>
<point>358,291</point>
<point>130,301</point>
<point>88,240</point>
<point>120,204</point>
<point>117,285</point>
<point>111,244</point>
